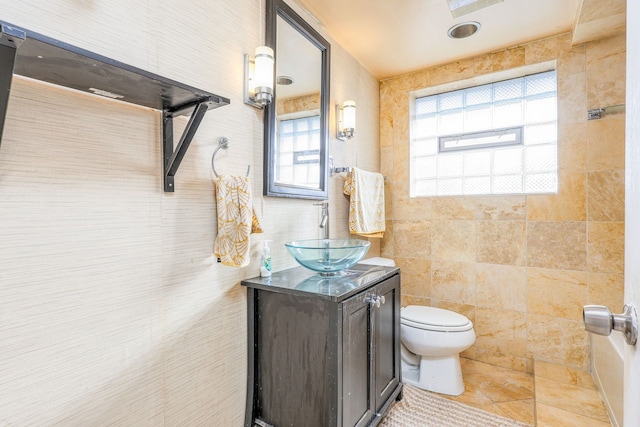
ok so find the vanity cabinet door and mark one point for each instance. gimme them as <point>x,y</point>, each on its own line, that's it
<point>371,353</point>
<point>357,353</point>
<point>386,339</point>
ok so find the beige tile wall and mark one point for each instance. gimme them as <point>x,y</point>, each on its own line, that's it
<point>300,103</point>
<point>113,310</point>
<point>520,267</point>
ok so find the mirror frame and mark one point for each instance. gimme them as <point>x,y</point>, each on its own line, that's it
<point>275,9</point>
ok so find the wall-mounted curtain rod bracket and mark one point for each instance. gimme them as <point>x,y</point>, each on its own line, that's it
<point>597,113</point>
<point>10,40</point>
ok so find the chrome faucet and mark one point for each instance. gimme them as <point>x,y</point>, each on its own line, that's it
<point>324,222</point>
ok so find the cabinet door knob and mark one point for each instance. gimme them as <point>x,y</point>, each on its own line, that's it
<point>371,299</point>
<point>374,299</point>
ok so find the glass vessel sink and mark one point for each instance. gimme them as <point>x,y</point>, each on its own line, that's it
<point>328,256</point>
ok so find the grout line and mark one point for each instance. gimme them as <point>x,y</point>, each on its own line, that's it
<point>535,395</point>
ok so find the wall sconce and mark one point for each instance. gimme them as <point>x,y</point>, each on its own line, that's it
<point>258,77</point>
<point>346,120</point>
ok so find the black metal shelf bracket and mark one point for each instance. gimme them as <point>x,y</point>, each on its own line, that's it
<point>43,58</point>
<point>10,40</point>
<point>172,158</point>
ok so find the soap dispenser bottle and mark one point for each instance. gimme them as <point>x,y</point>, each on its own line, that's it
<point>265,262</point>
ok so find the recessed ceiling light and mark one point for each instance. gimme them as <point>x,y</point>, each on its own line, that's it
<point>284,80</point>
<point>463,30</point>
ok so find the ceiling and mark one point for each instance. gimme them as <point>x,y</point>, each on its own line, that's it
<point>393,37</point>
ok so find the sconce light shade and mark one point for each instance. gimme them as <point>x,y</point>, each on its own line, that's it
<point>346,120</point>
<point>259,73</point>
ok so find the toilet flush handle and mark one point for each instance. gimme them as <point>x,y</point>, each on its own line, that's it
<point>599,320</point>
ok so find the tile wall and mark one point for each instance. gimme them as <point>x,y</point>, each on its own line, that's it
<point>520,267</point>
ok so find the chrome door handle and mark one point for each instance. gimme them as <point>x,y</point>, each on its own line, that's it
<point>599,320</point>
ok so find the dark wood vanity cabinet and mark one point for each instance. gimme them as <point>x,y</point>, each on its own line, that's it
<point>370,373</point>
<point>323,351</point>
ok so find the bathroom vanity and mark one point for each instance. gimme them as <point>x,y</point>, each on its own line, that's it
<point>323,351</point>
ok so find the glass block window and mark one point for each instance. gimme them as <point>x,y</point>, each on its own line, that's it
<point>298,152</point>
<point>496,138</point>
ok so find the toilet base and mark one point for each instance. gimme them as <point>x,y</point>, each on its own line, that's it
<point>438,374</point>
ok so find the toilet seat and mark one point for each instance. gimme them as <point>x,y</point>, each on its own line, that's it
<point>434,319</point>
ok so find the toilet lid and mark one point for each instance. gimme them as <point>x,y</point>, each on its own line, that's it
<point>385,262</point>
<point>434,319</point>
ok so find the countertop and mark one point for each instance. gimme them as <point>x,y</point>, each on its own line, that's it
<point>302,281</point>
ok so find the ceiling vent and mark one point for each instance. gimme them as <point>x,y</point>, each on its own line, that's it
<point>460,8</point>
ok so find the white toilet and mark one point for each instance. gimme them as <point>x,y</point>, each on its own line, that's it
<point>432,340</point>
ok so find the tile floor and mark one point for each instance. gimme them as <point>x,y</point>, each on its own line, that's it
<point>567,397</point>
<point>555,396</point>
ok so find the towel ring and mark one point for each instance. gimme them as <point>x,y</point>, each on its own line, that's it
<point>224,144</point>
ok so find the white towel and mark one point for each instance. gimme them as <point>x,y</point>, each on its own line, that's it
<point>236,220</point>
<point>366,206</point>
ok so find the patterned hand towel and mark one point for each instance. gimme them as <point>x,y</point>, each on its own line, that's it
<point>366,206</point>
<point>236,220</point>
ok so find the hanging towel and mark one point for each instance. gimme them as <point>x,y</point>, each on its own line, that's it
<point>366,206</point>
<point>236,220</point>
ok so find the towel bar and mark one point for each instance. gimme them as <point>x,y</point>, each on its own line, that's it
<point>224,144</point>
<point>347,169</point>
<point>333,171</point>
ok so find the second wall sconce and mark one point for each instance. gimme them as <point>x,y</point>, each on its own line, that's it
<point>346,120</point>
<point>258,77</point>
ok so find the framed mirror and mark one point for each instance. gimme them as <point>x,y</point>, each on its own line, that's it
<point>296,123</point>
